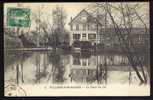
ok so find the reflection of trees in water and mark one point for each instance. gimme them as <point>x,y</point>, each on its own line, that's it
<point>11,57</point>
<point>101,72</point>
<point>91,76</point>
<point>144,69</point>
<point>58,75</point>
<point>20,58</point>
<point>37,68</point>
<point>58,68</point>
<point>41,68</point>
<point>145,61</point>
<point>57,64</point>
<point>45,60</point>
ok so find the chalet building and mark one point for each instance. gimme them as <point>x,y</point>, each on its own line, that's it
<point>85,27</point>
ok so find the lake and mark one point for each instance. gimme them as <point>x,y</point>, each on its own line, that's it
<point>29,67</point>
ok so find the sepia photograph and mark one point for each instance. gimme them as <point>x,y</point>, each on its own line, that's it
<point>76,49</point>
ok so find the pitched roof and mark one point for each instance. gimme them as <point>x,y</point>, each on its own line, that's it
<point>88,15</point>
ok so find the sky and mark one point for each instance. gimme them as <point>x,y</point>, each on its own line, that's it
<point>71,9</point>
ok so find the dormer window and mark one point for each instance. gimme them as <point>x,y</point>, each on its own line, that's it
<point>83,18</point>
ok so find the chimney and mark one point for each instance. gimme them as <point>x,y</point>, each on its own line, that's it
<point>71,18</point>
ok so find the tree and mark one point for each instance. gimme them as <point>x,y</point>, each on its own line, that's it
<point>43,27</point>
<point>126,49</point>
<point>125,17</point>
<point>60,34</point>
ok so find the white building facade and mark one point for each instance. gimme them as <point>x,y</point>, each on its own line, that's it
<point>84,27</point>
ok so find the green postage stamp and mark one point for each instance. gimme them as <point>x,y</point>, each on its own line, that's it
<point>19,17</point>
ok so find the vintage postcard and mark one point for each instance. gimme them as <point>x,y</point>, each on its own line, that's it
<point>77,49</point>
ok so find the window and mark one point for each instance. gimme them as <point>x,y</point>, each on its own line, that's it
<point>76,61</point>
<point>84,35</point>
<point>139,37</point>
<point>84,19</point>
<point>88,27</point>
<point>71,27</point>
<point>91,36</point>
<point>81,27</point>
<point>84,63</point>
<point>84,27</point>
<point>76,36</point>
<point>77,27</point>
<point>93,27</point>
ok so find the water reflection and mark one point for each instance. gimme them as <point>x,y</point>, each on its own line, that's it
<point>55,68</point>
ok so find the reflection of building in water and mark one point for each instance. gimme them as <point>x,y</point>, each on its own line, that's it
<point>83,75</point>
<point>50,68</point>
<point>83,63</point>
<point>88,70</point>
<point>117,61</point>
<point>84,70</point>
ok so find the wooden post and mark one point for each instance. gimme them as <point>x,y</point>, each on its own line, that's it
<point>17,74</point>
